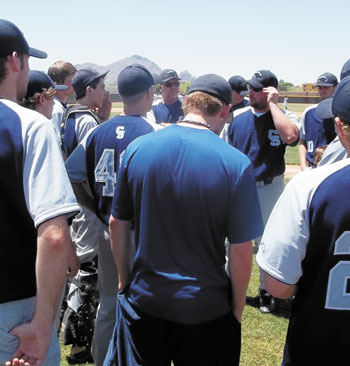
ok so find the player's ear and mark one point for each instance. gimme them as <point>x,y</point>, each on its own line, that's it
<point>14,62</point>
<point>339,126</point>
<point>225,110</point>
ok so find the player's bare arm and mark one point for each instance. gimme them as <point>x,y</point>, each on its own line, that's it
<point>287,130</point>
<point>302,154</point>
<point>279,289</point>
<point>240,266</point>
<point>51,268</point>
<point>122,250</point>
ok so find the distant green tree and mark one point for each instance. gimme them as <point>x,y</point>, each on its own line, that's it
<point>285,85</point>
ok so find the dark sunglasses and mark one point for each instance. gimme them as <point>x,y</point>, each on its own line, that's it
<point>255,90</point>
<point>171,83</point>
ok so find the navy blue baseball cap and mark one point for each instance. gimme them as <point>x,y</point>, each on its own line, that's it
<point>38,81</point>
<point>327,79</point>
<point>134,79</point>
<point>12,40</point>
<point>239,85</point>
<point>168,74</point>
<point>214,85</point>
<point>345,71</point>
<point>263,79</point>
<point>83,78</point>
<point>338,104</point>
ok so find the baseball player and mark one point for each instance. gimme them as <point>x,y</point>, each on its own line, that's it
<point>97,160</point>
<point>78,120</point>
<point>35,201</point>
<point>315,131</point>
<point>262,132</point>
<point>40,93</point>
<point>187,190</point>
<point>305,251</point>
<point>168,109</point>
<point>61,73</point>
<point>239,90</point>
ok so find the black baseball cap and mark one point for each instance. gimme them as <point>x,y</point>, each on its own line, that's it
<point>134,79</point>
<point>327,79</point>
<point>38,81</point>
<point>263,79</point>
<point>12,40</point>
<point>83,78</point>
<point>168,74</point>
<point>239,85</point>
<point>338,104</point>
<point>214,85</point>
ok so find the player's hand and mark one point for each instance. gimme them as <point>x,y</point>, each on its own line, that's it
<point>105,111</point>
<point>33,345</point>
<point>272,94</point>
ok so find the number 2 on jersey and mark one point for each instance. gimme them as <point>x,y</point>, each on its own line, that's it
<point>338,289</point>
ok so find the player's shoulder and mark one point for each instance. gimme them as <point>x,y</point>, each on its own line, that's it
<point>242,111</point>
<point>306,183</point>
<point>27,117</point>
<point>309,109</point>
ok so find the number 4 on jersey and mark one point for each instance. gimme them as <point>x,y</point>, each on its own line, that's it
<point>104,172</point>
<point>338,290</point>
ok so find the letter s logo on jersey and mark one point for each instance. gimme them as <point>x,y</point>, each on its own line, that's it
<point>120,131</point>
<point>274,138</point>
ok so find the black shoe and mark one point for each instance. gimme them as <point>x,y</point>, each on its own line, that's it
<point>79,355</point>
<point>267,302</point>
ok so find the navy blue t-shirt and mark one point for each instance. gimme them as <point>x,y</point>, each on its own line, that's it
<point>187,190</point>
<point>105,147</point>
<point>168,112</point>
<point>320,321</point>
<point>258,138</point>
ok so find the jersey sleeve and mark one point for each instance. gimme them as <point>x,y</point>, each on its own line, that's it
<point>245,221</point>
<point>83,125</point>
<point>122,205</point>
<point>47,189</point>
<point>294,119</point>
<point>283,245</point>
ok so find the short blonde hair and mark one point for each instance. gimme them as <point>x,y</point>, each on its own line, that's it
<point>203,103</point>
<point>60,70</point>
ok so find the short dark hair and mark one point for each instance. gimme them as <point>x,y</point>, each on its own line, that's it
<point>3,72</point>
<point>93,85</point>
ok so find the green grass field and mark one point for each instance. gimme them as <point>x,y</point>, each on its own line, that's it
<point>262,335</point>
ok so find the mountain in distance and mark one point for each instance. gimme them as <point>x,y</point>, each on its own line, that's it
<point>115,68</point>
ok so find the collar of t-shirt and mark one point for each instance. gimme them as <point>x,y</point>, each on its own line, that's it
<point>258,114</point>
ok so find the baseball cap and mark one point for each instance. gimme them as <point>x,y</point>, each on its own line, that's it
<point>262,79</point>
<point>239,85</point>
<point>338,104</point>
<point>38,80</point>
<point>214,85</point>
<point>327,79</point>
<point>83,78</point>
<point>168,74</point>
<point>345,71</point>
<point>134,79</point>
<point>12,40</point>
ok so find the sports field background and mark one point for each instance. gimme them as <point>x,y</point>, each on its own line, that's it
<point>263,335</point>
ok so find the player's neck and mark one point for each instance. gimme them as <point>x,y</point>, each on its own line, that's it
<point>8,92</point>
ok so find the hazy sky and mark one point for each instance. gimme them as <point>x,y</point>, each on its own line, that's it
<point>296,39</point>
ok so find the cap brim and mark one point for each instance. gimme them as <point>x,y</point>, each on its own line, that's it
<point>324,84</point>
<point>243,93</point>
<point>60,87</point>
<point>156,79</point>
<point>255,83</point>
<point>324,109</point>
<point>165,80</point>
<point>33,52</point>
